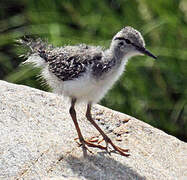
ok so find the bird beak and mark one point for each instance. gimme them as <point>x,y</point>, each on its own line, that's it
<point>146,52</point>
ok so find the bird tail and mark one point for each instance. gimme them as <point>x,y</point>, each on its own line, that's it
<point>37,54</point>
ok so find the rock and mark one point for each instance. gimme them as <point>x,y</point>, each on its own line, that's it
<point>37,142</point>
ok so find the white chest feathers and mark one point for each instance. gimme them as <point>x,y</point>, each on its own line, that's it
<point>85,88</point>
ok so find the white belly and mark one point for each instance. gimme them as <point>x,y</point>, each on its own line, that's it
<point>85,88</point>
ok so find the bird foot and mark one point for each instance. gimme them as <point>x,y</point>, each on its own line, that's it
<point>91,143</point>
<point>121,151</point>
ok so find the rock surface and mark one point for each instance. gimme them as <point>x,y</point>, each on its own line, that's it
<point>37,142</point>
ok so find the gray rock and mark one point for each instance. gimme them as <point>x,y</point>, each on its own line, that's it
<point>37,142</point>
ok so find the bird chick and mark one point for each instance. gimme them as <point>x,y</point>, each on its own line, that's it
<point>86,73</point>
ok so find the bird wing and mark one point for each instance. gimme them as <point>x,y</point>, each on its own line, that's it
<point>70,62</point>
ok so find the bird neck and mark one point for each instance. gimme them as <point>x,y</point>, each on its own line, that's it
<point>111,63</point>
<point>115,57</point>
<point>116,53</point>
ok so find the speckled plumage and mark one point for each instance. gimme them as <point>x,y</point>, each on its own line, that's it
<point>70,62</point>
<point>68,69</point>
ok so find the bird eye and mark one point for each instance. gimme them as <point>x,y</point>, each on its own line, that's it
<point>123,39</point>
<point>127,41</point>
<point>121,43</point>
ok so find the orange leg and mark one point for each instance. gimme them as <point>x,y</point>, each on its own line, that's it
<point>105,137</point>
<point>81,139</point>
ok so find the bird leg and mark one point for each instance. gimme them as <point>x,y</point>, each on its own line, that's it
<point>105,137</point>
<point>81,139</point>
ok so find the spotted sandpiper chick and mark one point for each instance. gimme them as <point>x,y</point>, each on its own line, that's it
<point>86,73</point>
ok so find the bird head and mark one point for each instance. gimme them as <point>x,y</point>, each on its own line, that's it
<point>129,42</point>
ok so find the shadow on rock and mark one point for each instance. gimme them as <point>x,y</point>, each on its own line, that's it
<point>101,167</point>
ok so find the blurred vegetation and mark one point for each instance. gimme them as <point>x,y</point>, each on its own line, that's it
<point>153,91</point>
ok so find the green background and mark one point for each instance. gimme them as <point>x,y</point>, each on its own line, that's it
<point>153,91</point>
